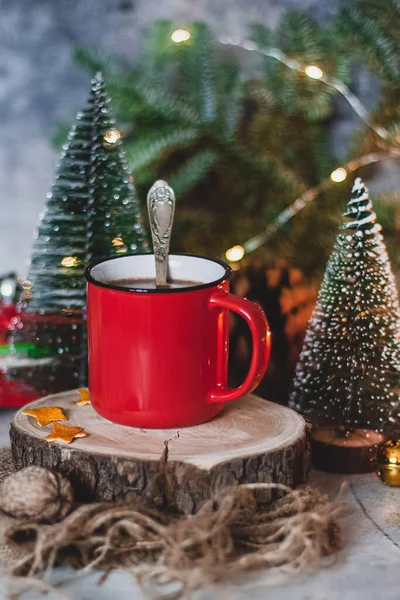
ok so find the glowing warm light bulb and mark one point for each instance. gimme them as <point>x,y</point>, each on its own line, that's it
<point>7,288</point>
<point>117,241</point>
<point>180,35</point>
<point>113,136</point>
<point>338,175</point>
<point>313,72</point>
<point>234,254</point>
<point>69,261</point>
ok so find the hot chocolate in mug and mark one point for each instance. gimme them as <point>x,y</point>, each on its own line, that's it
<point>158,358</point>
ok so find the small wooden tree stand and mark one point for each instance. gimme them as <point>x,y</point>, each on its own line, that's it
<point>337,451</point>
<point>252,440</point>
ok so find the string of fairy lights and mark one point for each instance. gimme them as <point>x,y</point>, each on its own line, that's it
<point>338,175</point>
<point>236,253</point>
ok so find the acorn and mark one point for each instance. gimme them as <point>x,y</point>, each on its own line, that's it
<point>36,493</point>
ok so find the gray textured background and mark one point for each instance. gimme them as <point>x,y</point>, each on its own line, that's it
<point>40,85</point>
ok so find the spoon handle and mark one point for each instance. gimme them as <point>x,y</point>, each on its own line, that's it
<point>161,208</point>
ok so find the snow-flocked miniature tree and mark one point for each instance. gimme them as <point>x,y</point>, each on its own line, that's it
<point>349,369</point>
<point>91,213</point>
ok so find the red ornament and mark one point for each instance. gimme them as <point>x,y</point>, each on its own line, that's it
<point>12,393</point>
<point>8,314</point>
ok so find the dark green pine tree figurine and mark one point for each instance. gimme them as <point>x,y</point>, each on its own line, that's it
<point>91,213</point>
<point>349,369</point>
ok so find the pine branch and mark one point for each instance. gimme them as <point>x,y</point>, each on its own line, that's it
<point>199,64</point>
<point>94,60</point>
<point>230,94</point>
<point>156,49</point>
<point>267,167</point>
<point>163,102</point>
<point>145,151</point>
<point>192,171</point>
<point>120,80</point>
<point>270,132</point>
<point>374,33</point>
<point>298,36</point>
<point>265,38</point>
<point>263,97</point>
<point>321,151</point>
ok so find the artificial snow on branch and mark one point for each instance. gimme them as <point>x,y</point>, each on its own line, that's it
<point>349,368</point>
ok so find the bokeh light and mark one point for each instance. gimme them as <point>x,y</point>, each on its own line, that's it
<point>234,254</point>
<point>180,35</point>
<point>338,175</point>
<point>313,72</point>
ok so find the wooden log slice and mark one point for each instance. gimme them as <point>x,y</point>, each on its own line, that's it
<point>251,440</point>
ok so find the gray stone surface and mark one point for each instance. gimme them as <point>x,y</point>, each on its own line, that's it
<point>40,85</point>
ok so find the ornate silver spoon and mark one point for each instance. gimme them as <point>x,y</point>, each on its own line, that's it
<point>161,208</point>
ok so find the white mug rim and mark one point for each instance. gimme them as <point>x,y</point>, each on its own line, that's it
<point>110,286</point>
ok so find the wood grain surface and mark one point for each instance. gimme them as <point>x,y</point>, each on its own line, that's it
<point>251,440</point>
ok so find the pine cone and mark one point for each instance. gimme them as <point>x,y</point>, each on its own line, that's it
<point>36,493</point>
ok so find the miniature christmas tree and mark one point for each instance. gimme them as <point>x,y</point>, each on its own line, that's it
<point>91,213</point>
<point>349,368</point>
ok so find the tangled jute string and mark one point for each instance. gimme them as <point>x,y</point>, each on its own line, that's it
<point>231,534</point>
<point>235,532</point>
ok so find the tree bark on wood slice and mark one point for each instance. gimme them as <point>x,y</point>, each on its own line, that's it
<point>251,440</point>
<point>337,451</point>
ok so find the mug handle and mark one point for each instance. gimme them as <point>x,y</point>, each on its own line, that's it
<point>261,336</point>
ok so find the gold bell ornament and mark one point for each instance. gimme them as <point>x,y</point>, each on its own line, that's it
<point>388,462</point>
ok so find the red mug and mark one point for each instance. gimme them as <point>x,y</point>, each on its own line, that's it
<point>159,358</point>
